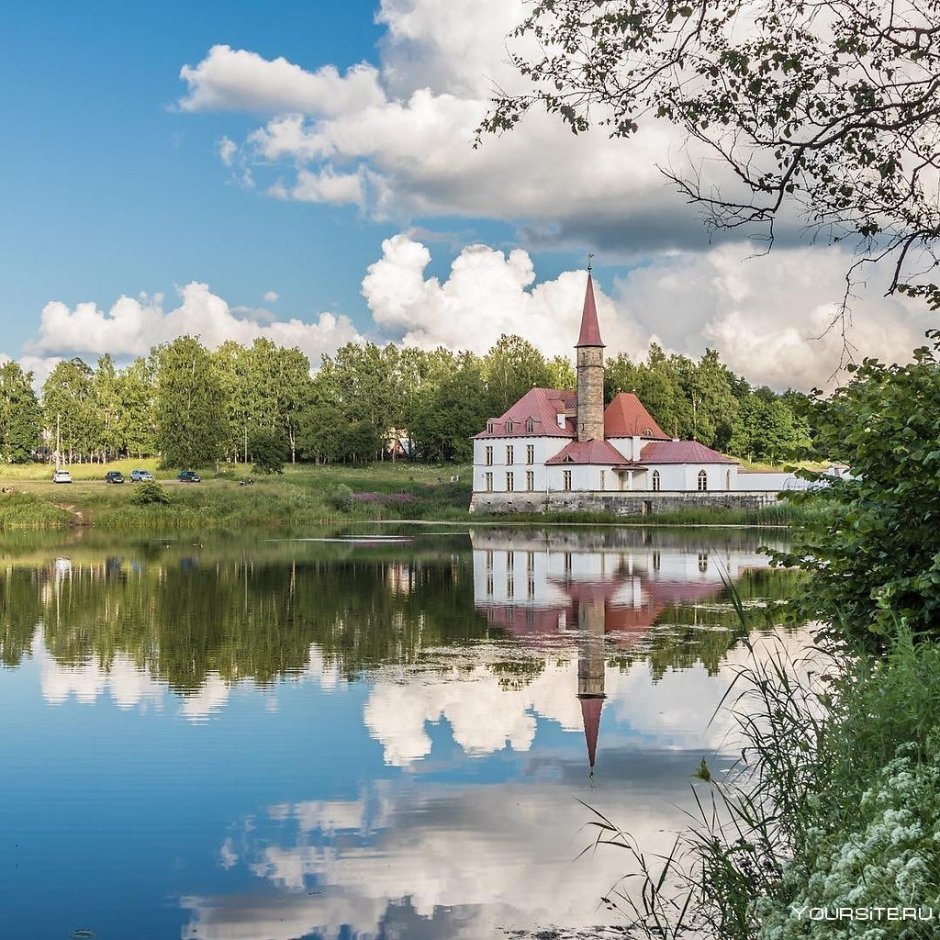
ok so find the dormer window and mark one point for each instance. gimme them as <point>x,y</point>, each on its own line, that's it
<point>509,427</point>
<point>561,421</point>
<point>489,427</point>
<point>569,458</point>
<point>529,426</point>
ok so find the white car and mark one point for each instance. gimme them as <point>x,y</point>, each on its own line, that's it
<point>61,476</point>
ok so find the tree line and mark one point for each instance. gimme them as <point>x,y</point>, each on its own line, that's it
<point>193,406</point>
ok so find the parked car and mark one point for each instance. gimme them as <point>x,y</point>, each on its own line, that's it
<point>141,476</point>
<point>189,476</point>
<point>114,476</point>
<point>61,476</point>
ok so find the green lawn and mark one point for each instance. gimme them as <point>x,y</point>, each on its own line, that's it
<point>303,495</point>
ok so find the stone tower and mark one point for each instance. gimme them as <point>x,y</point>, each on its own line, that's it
<point>592,615</point>
<point>590,353</point>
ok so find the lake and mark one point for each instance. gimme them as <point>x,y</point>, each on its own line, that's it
<point>357,734</point>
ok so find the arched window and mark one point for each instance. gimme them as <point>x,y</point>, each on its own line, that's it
<point>656,481</point>
<point>702,481</point>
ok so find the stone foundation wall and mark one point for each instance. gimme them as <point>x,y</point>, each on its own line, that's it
<point>616,504</point>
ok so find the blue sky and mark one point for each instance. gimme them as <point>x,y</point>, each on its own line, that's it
<point>110,191</point>
<point>199,159</point>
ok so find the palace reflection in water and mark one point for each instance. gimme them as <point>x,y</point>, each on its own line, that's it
<point>543,586</point>
<point>353,737</point>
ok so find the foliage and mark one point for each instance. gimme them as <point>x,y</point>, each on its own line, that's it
<point>29,511</point>
<point>384,499</point>
<point>365,403</point>
<point>511,368</point>
<point>20,414</point>
<point>264,387</point>
<point>706,401</point>
<point>134,389</point>
<point>873,544</point>
<point>888,859</point>
<point>190,420</point>
<point>68,401</point>
<point>448,413</point>
<point>267,452</point>
<point>835,801</point>
<point>150,493</point>
<point>825,108</point>
<point>342,497</point>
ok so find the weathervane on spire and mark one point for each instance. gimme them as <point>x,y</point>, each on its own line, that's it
<point>590,259</point>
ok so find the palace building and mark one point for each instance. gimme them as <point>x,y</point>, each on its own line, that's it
<point>563,450</point>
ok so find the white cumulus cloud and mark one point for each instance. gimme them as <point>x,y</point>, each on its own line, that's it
<point>407,127</point>
<point>132,326</point>
<point>486,294</point>
<point>767,316</point>
<point>239,80</point>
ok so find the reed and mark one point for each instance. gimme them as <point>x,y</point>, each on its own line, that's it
<point>832,804</point>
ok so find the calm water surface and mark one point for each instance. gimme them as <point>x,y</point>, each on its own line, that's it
<point>347,737</point>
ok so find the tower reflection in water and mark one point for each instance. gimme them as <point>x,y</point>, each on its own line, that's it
<point>599,591</point>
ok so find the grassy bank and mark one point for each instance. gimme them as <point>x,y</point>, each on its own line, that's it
<point>303,495</point>
<point>833,806</point>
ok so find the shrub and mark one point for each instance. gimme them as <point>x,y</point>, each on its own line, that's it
<point>150,493</point>
<point>342,497</point>
<point>267,452</point>
<point>873,548</point>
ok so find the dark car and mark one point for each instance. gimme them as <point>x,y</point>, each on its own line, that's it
<point>114,476</point>
<point>189,476</point>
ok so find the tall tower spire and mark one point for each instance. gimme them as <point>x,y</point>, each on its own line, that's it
<point>590,361</point>
<point>592,614</point>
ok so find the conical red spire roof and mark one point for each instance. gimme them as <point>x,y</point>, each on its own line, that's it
<point>591,706</point>
<point>590,331</point>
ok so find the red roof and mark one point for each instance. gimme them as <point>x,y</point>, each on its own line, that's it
<point>681,452</point>
<point>626,416</point>
<point>590,332</point>
<point>589,452</point>
<point>538,409</point>
<point>591,706</point>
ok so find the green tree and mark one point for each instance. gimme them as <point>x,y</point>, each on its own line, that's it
<point>448,414</point>
<point>321,421</point>
<point>136,424</point>
<point>20,414</point>
<point>873,543</point>
<point>232,362</point>
<point>108,407</point>
<point>190,405</point>
<point>68,399</point>
<point>561,373</point>
<point>708,388</point>
<point>267,452</point>
<point>279,379</point>
<point>511,368</point>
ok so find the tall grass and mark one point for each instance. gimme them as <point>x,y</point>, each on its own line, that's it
<point>834,802</point>
<point>28,511</point>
